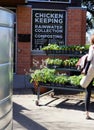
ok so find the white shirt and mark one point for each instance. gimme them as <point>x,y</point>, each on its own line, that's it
<point>91,55</point>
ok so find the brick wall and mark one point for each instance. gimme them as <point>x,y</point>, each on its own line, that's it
<point>75,35</point>
<point>76,30</point>
<point>23,48</point>
<point>76,26</point>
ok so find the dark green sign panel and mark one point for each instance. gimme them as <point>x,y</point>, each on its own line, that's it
<point>48,27</point>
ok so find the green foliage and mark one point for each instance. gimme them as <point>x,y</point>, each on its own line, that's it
<point>66,49</point>
<point>46,75</point>
<point>61,79</point>
<point>51,47</point>
<point>70,62</point>
<point>66,63</point>
<point>75,80</point>
<point>43,75</point>
<point>55,61</point>
<point>87,46</point>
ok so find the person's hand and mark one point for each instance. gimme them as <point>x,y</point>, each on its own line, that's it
<point>83,72</point>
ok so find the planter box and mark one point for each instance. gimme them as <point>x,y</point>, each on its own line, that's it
<point>53,66</point>
<point>42,89</point>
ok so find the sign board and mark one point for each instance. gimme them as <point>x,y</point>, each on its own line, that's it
<point>48,27</point>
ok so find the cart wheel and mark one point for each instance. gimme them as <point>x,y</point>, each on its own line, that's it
<point>52,94</point>
<point>37,102</point>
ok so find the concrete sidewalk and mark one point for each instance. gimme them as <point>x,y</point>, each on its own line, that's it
<point>59,113</point>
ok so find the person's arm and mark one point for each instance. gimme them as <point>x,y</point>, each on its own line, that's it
<point>86,67</point>
<point>90,55</point>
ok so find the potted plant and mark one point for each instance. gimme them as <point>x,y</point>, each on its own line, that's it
<point>73,62</point>
<point>66,63</point>
<point>35,79</point>
<point>54,63</point>
<point>61,80</point>
<point>44,75</point>
<point>51,48</point>
<point>75,80</point>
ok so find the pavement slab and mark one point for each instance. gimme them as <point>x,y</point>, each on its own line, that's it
<point>59,113</point>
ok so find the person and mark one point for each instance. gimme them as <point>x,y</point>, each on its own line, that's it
<point>89,75</point>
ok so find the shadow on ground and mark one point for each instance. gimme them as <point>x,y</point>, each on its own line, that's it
<point>69,101</point>
<point>67,104</point>
<point>23,120</point>
<point>72,103</point>
<point>78,105</point>
<point>23,91</point>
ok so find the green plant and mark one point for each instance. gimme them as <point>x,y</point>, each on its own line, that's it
<point>73,61</point>
<point>51,47</point>
<point>87,47</point>
<point>75,80</point>
<point>44,75</point>
<point>55,61</point>
<point>66,63</point>
<point>61,79</point>
<point>70,62</point>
